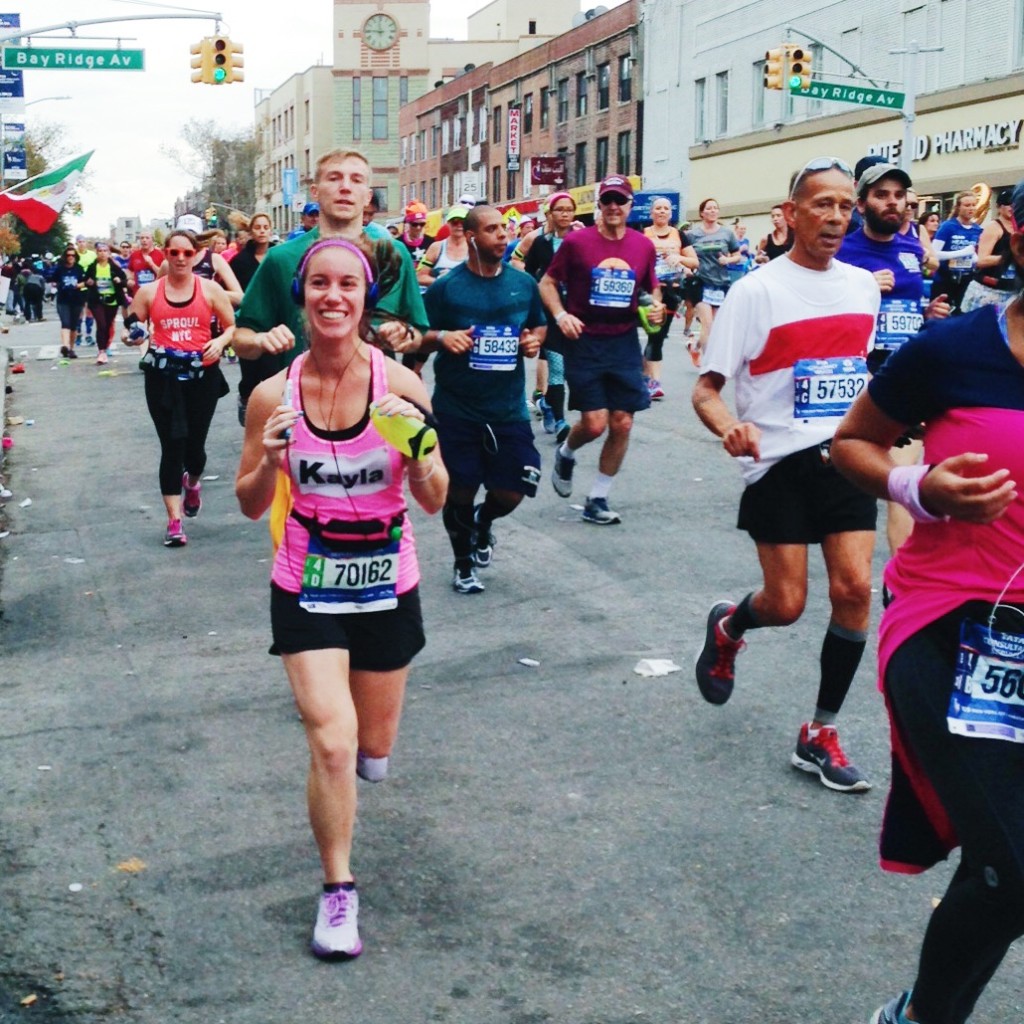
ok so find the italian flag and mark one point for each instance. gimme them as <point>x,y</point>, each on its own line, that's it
<point>40,206</point>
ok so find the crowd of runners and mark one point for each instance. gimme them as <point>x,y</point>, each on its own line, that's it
<point>875,352</point>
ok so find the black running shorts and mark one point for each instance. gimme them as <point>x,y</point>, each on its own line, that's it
<point>375,641</point>
<point>802,499</point>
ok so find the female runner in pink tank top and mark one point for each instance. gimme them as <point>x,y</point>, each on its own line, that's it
<point>345,606</point>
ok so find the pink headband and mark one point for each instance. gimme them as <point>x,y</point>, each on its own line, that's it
<point>555,196</point>
<point>336,243</point>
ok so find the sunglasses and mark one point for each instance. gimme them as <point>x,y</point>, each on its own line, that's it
<point>175,253</point>
<point>821,163</point>
<point>913,206</point>
<point>614,200</point>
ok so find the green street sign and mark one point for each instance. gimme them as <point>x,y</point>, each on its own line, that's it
<point>845,93</point>
<point>72,58</point>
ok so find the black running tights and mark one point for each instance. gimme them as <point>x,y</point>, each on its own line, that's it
<point>182,451</point>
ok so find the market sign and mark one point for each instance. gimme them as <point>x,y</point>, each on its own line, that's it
<point>65,58</point>
<point>514,115</point>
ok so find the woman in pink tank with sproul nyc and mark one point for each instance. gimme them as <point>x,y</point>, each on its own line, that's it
<point>183,377</point>
<point>345,608</point>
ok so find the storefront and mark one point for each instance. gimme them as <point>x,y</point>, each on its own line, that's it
<point>962,137</point>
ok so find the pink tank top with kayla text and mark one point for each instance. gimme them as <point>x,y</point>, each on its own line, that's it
<point>356,479</point>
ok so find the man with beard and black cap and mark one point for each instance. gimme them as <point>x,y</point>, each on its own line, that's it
<point>895,260</point>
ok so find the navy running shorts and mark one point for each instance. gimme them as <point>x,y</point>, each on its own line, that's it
<point>802,499</point>
<point>375,641</point>
<point>606,372</point>
<point>501,456</point>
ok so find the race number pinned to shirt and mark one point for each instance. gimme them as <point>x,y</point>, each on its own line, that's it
<point>612,288</point>
<point>713,295</point>
<point>494,348</point>
<point>826,388</point>
<point>988,699</point>
<point>346,582</point>
<point>898,320</point>
<point>146,276</point>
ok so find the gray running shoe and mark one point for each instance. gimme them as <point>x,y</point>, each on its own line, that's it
<point>715,667</point>
<point>890,1013</point>
<point>483,543</point>
<point>465,580</point>
<point>596,510</point>
<point>823,756</point>
<point>561,474</point>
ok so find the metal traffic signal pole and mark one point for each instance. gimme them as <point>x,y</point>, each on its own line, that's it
<point>909,54</point>
<point>20,33</point>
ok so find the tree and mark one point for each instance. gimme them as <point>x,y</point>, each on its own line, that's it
<point>223,163</point>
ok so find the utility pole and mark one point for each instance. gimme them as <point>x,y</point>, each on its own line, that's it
<point>910,54</point>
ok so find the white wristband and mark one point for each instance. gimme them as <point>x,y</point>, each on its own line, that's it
<point>904,487</point>
<point>558,318</point>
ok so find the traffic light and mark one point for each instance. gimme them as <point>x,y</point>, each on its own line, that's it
<point>226,61</point>
<point>202,61</point>
<point>798,67</point>
<point>774,70</point>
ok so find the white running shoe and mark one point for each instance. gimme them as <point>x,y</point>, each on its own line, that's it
<point>336,933</point>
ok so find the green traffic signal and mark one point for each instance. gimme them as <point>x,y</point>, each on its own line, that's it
<point>220,74</point>
<point>794,82</point>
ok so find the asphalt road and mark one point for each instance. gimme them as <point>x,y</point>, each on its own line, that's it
<point>570,843</point>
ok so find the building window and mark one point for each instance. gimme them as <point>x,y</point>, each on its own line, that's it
<point>422,147</point>
<point>403,90</point>
<point>722,103</point>
<point>601,159</point>
<point>757,107</point>
<point>563,100</point>
<point>481,120</point>
<point>604,77</point>
<point>404,158</point>
<point>511,183</point>
<point>531,28</point>
<point>435,139</point>
<point>380,108</point>
<point>433,193</point>
<point>580,165</point>
<point>700,88</point>
<point>357,108</point>
<point>545,104</point>
<point>625,78</point>
<point>444,138</point>
<point>497,125</point>
<point>622,154</point>
<point>457,132</point>
<point>528,113</point>
<point>496,184</point>
<point>306,105</point>
<point>581,94</point>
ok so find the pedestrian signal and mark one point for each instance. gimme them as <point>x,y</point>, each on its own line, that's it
<point>774,68</point>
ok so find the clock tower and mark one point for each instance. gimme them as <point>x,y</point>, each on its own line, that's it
<point>380,62</point>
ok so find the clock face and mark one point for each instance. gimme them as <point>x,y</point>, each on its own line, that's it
<point>380,31</point>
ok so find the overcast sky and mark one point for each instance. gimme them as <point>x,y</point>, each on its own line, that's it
<point>130,117</point>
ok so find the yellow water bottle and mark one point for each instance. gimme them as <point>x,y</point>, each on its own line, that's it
<point>410,436</point>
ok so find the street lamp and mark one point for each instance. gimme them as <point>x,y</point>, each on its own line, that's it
<point>3,135</point>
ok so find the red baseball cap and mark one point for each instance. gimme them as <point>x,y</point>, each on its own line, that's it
<point>615,183</point>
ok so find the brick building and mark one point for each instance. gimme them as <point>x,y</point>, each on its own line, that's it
<point>575,96</point>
